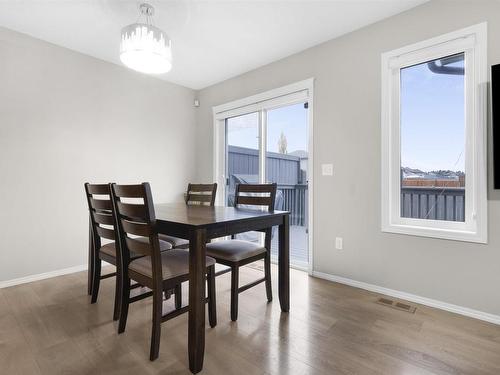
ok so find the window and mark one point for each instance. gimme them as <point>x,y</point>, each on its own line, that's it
<point>434,137</point>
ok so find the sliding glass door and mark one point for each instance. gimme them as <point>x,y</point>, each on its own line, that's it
<point>287,154</point>
<point>271,145</point>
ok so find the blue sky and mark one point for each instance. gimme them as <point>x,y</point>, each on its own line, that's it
<point>291,120</point>
<point>432,119</point>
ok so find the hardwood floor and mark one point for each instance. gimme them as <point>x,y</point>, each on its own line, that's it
<point>49,327</point>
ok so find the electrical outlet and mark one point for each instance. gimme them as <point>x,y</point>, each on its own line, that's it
<point>339,243</point>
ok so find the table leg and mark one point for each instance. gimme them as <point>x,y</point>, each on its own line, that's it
<point>284,264</point>
<point>197,271</point>
<point>90,268</point>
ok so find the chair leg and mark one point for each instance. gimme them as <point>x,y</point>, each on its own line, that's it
<point>267,273</point>
<point>234,292</point>
<point>96,280</point>
<point>91,259</point>
<point>124,303</point>
<point>178,296</point>
<point>212,303</point>
<point>118,294</point>
<point>156,327</point>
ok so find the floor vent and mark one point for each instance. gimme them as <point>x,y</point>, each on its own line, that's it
<point>397,305</point>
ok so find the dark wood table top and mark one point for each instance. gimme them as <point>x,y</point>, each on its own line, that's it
<point>205,216</point>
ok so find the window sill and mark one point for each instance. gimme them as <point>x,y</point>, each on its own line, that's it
<point>438,233</point>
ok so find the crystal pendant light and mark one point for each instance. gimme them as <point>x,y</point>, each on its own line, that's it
<point>144,47</point>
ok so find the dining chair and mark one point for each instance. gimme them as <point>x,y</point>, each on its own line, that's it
<point>159,271</point>
<point>235,253</point>
<point>103,226</point>
<point>196,195</point>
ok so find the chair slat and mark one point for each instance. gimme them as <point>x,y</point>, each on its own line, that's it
<point>143,248</point>
<point>98,189</point>
<point>193,188</point>
<point>101,204</point>
<point>252,200</point>
<point>105,233</point>
<point>129,191</point>
<point>200,197</point>
<point>255,188</point>
<point>138,229</point>
<point>103,218</point>
<point>131,210</point>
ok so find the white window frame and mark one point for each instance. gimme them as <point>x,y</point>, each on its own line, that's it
<point>471,41</point>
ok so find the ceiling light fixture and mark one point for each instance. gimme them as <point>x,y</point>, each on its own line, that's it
<point>144,47</point>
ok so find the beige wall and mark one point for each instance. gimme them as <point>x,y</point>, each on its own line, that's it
<point>347,134</point>
<point>66,118</point>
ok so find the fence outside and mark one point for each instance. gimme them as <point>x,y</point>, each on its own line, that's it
<point>284,169</point>
<point>421,202</point>
<point>436,203</point>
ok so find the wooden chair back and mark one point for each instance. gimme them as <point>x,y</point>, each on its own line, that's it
<point>137,219</point>
<point>262,195</point>
<point>201,194</point>
<point>101,211</point>
<point>259,195</point>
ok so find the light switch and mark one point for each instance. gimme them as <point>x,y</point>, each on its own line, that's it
<point>327,169</point>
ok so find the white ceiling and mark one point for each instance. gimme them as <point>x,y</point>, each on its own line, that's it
<point>211,40</point>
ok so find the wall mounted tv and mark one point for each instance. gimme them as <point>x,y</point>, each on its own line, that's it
<point>495,107</point>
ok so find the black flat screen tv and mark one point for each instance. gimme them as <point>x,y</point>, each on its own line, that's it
<point>495,108</point>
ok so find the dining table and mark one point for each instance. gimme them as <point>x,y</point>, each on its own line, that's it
<point>201,224</point>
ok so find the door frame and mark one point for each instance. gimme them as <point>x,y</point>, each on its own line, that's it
<point>278,97</point>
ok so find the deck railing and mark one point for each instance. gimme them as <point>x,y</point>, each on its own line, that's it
<point>284,169</point>
<point>295,201</point>
<point>436,203</point>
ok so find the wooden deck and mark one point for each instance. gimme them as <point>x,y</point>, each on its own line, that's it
<point>298,245</point>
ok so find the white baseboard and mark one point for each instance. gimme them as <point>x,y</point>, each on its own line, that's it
<point>41,276</point>
<point>487,317</point>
